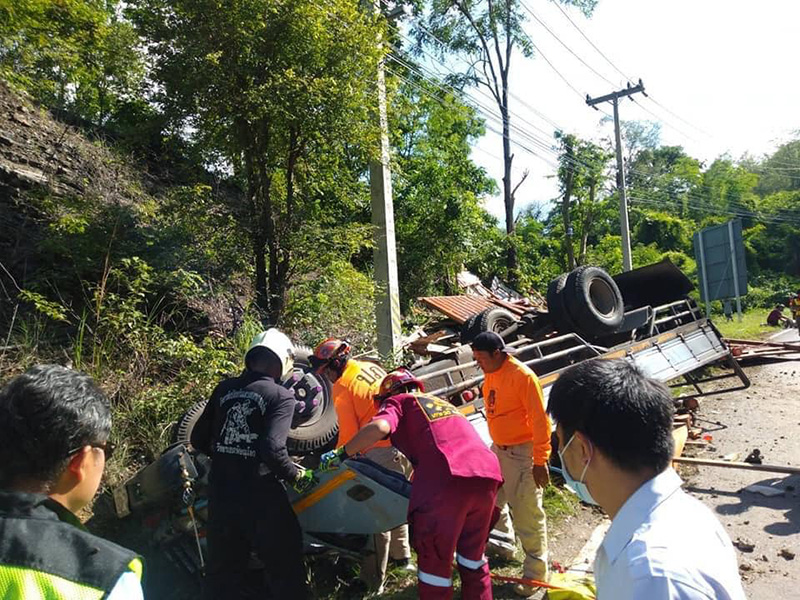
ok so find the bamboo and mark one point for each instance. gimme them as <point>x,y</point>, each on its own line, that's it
<point>737,465</point>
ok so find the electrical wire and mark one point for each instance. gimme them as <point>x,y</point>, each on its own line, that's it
<point>560,41</point>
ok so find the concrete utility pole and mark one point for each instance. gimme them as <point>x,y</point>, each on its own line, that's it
<point>387,305</point>
<point>613,97</point>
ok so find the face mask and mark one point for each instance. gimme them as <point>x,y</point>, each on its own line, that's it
<point>579,487</point>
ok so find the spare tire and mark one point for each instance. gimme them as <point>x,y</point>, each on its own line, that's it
<point>556,307</point>
<point>593,301</point>
<point>496,319</point>
<point>318,428</point>
<point>182,431</point>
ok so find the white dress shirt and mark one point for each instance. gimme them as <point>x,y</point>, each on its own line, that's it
<point>665,545</point>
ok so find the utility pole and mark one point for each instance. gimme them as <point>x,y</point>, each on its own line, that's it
<point>387,301</point>
<point>613,97</point>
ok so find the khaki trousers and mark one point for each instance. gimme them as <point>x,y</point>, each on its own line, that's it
<point>392,543</point>
<point>525,501</point>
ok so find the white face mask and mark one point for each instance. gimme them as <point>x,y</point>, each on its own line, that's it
<point>579,487</point>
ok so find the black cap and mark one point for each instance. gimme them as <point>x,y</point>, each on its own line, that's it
<point>489,341</point>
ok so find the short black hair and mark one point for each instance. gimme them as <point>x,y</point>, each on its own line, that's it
<point>44,414</point>
<point>627,415</point>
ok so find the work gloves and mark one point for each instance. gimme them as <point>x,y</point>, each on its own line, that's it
<point>305,481</point>
<point>333,459</point>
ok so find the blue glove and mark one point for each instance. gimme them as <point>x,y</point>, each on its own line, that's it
<point>305,481</point>
<point>332,460</point>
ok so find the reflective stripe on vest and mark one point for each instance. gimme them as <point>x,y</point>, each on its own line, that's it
<point>20,582</point>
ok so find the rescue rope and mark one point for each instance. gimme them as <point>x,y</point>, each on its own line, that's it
<point>530,582</point>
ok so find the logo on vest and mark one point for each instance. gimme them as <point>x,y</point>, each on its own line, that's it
<point>435,408</point>
<point>235,436</point>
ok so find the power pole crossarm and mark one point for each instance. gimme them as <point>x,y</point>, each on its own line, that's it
<point>613,97</point>
<point>628,91</point>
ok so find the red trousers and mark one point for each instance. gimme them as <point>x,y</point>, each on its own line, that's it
<point>454,518</point>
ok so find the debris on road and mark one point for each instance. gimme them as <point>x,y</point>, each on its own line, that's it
<point>786,553</point>
<point>765,490</point>
<point>744,544</point>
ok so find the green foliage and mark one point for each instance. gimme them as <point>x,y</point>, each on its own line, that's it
<point>52,310</point>
<point>664,230</point>
<point>278,93</point>
<point>70,54</point>
<point>440,222</point>
<point>335,301</point>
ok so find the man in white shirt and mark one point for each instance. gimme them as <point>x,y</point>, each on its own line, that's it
<point>614,429</point>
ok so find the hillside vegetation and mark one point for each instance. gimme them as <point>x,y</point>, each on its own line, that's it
<point>174,176</point>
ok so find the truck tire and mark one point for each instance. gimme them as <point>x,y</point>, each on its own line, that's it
<point>496,319</point>
<point>317,432</point>
<point>556,307</point>
<point>593,301</point>
<point>470,328</point>
<point>321,429</point>
<point>182,431</point>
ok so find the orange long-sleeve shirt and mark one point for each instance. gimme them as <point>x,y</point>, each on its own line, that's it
<point>354,398</point>
<point>515,409</point>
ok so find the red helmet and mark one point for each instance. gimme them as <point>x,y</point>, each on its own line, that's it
<point>396,382</point>
<point>333,352</point>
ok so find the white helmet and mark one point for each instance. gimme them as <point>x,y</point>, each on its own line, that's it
<point>279,344</point>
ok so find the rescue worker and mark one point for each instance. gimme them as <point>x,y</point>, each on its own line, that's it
<point>794,306</point>
<point>244,429</point>
<point>520,431</point>
<point>355,384</point>
<point>455,483</point>
<point>54,429</point>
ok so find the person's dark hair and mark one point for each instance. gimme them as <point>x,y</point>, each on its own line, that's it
<point>623,412</point>
<point>44,414</point>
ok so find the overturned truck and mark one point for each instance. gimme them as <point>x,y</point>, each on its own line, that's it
<point>644,315</point>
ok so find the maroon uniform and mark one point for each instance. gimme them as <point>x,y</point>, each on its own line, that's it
<point>456,477</point>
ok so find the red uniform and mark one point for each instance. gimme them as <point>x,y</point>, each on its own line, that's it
<point>456,477</point>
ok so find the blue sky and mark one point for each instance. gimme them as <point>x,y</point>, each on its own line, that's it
<point>727,67</point>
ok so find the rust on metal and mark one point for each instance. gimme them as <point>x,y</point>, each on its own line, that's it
<point>461,308</point>
<point>458,308</point>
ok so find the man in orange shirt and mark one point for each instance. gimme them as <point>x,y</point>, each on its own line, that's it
<point>355,384</point>
<point>520,430</point>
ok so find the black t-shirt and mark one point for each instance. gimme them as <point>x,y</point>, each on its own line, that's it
<point>245,424</point>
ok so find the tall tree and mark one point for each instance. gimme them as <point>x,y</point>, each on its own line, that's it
<point>582,170</point>
<point>276,91</point>
<point>441,225</point>
<point>75,55</point>
<point>487,33</point>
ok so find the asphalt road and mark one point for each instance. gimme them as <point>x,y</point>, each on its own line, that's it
<point>765,416</point>
<point>786,336</point>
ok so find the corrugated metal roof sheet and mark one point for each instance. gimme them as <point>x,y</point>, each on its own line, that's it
<point>458,308</point>
<point>461,308</point>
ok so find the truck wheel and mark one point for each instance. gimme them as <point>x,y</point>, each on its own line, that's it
<point>496,319</point>
<point>182,431</point>
<point>316,430</point>
<point>594,301</point>
<point>320,428</point>
<point>556,307</point>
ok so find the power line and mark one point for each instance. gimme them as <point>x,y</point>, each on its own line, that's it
<point>560,41</point>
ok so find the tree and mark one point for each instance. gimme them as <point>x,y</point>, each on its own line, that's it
<point>74,55</point>
<point>581,172</point>
<point>440,223</point>
<point>277,92</point>
<point>487,33</point>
